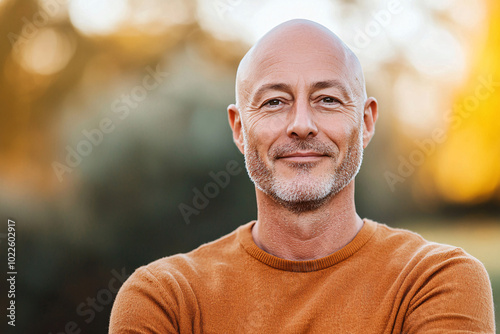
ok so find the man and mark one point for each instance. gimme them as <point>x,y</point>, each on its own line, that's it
<point>309,264</point>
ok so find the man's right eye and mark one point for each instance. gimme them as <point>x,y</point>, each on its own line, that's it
<point>273,102</point>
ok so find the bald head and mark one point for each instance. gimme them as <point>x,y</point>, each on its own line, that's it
<point>291,43</point>
<point>302,118</point>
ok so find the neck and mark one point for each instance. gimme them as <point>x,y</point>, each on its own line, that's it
<point>307,235</point>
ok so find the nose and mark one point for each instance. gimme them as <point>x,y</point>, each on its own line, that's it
<point>302,124</point>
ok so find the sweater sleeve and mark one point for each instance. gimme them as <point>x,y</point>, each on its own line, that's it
<point>143,306</point>
<point>452,295</point>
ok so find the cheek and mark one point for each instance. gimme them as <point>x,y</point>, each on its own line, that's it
<point>353,139</point>
<point>264,130</point>
<point>351,135</point>
<point>342,131</point>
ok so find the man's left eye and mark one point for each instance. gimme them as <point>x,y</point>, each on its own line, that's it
<point>329,99</point>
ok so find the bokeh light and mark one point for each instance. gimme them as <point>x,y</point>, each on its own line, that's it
<point>46,53</point>
<point>97,16</point>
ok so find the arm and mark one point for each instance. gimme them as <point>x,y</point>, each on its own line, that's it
<point>453,295</point>
<point>143,306</point>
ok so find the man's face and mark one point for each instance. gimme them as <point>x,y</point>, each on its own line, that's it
<point>302,124</point>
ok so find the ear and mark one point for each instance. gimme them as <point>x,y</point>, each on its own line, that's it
<point>370,115</point>
<point>235,123</point>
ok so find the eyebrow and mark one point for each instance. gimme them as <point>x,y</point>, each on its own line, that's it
<point>329,84</point>
<point>271,86</point>
<point>288,88</point>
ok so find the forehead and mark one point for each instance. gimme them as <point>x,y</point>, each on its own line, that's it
<point>299,66</point>
<point>298,60</point>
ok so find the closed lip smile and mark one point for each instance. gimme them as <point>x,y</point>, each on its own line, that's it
<point>302,155</point>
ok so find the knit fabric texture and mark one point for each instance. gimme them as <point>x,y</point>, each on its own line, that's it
<point>385,280</point>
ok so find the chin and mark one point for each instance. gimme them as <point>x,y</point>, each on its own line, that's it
<point>301,195</point>
<point>299,207</point>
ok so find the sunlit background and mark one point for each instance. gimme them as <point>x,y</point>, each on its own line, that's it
<point>113,115</point>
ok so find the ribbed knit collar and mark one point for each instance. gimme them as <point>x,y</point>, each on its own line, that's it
<point>244,236</point>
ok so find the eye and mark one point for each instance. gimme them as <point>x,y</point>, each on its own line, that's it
<point>272,103</point>
<point>329,100</point>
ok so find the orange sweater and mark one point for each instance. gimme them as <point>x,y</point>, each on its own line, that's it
<point>385,280</point>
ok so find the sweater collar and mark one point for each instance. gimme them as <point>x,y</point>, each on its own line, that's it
<point>244,236</point>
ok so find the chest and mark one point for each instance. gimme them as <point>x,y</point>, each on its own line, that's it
<point>302,303</point>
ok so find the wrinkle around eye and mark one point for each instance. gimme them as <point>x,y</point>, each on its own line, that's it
<point>283,103</point>
<point>321,99</point>
<point>329,106</point>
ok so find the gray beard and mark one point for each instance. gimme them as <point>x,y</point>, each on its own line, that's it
<point>303,193</point>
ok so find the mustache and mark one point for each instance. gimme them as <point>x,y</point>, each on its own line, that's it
<point>302,145</point>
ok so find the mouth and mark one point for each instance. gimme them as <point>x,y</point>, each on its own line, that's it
<point>308,156</point>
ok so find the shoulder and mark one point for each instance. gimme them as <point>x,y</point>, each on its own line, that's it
<point>201,258</point>
<point>411,253</point>
<point>188,267</point>
<point>403,241</point>
<point>158,294</point>
<point>442,287</point>
<point>427,263</point>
